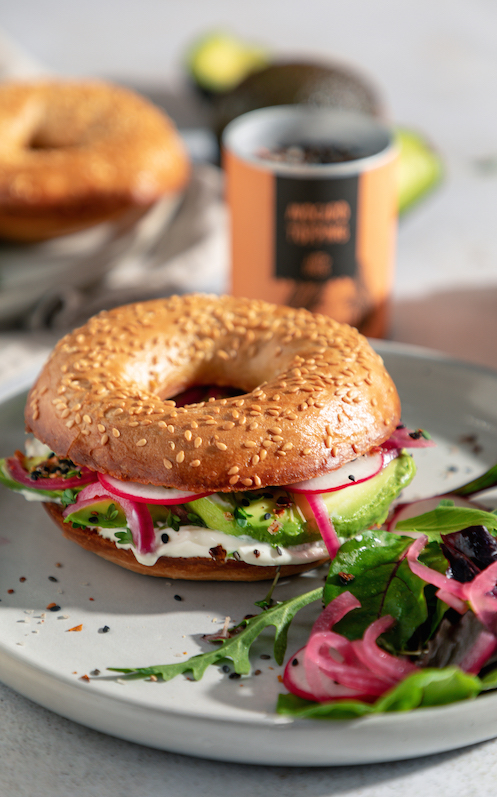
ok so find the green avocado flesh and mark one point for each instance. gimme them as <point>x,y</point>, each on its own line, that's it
<point>272,515</point>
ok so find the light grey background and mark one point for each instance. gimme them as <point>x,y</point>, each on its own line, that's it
<point>436,62</point>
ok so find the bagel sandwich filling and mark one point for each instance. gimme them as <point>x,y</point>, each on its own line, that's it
<point>213,438</point>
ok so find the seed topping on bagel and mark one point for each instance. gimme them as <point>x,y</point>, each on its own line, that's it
<point>313,394</point>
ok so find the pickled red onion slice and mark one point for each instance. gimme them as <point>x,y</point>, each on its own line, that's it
<point>138,518</point>
<point>147,493</point>
<point>19,474</point>
<point>403,438</point>
<point>325,526</point>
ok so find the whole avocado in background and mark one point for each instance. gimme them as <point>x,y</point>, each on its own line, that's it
<point>219,61</point>
<point>295,82</point>
<point>236,77</point>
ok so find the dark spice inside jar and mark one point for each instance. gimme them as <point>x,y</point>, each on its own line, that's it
<point>311,153</point>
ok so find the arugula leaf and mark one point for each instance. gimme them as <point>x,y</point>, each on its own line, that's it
<point>238,647</point>
<point>124,537</point>
<point>383,582</point>
<point>429,687</point>
<point>483,482</point>
<point>445,519</point>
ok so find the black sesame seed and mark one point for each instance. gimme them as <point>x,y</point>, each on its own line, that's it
<point>237,556</point>
<point>95,672</point>
<point>265,656</point>
<point>267,516</point>
<point>234,676</point>
<point>52,578</point>
<point>295,662</point>
<point>256,553</point>
<point>225,668</point>
<point>178,598</point>
<point>164,537</point>
<point>278,550</point>
<point>104,629</point>
<point>268,496</point>
<point>245,502</point>
<point>55,608</point>
<point>352,478</point>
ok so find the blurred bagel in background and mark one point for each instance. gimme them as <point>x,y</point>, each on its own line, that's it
<point>74,154</point>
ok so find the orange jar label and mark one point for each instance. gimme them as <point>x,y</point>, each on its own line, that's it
<point>324,241</point>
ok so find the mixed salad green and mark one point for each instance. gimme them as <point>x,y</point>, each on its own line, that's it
<point>410,620</point>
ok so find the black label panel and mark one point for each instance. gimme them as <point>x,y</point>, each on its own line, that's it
<point>316,223</point>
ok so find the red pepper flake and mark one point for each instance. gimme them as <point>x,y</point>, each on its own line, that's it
<point>76,628</point>
<point>22,579</point>
<point>10,591</point>
<point>257,672</point>
<point>85,678</point>
<point>280,679</point>
<point>58,564</point>
<point>91,599</point>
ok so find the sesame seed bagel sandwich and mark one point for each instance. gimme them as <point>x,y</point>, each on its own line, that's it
<point>212,438</point>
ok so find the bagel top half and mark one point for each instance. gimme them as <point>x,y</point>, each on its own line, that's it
<point>314,394</point>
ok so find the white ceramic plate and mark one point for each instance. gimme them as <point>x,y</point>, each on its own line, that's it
<point>219,718</point>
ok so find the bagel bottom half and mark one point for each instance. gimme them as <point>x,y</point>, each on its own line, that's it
<point>193,569</point>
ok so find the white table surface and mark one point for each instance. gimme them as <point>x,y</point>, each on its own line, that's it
<point>436,61</point>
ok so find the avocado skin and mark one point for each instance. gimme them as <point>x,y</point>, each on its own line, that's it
<point>320,85</point>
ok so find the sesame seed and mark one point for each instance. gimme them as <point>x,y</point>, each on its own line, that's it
<point>104,439</point>
<point>188,435</point>
<point>142,442</point>
<point>162,424</point>
<point>247,482</point>
<point>180,456</point>
<point>167,464</point>
<point>234,479</point>
<point>101,427</point>
<point>221,446</point>
<point>255,459</point>
<point>116,433</point>
<point>170,429</point>
<point>249,444</point>
<point>233,470</point>
<point>87,419</point>
<point>70,424</point>
<point>195,463</point>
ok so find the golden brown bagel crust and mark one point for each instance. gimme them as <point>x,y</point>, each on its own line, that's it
<point>194,569</point>
<point>316,395</point>
<point>74,154</point>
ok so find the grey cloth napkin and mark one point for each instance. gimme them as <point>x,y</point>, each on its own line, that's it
<point>170,250</point>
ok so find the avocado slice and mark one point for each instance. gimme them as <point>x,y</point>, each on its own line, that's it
<point>219,61</point>
<point>352,510</point>
<point>420,167</point>
<point>363,505</point>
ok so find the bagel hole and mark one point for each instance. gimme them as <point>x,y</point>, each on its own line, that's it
<point>198,393</point>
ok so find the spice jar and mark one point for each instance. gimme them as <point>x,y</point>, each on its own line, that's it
<point>312,194</point>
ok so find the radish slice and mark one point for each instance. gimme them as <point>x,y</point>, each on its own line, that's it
<point>57,483</point>
<point>147,493</point>
<point>325,526</point>
<point>360,470</point>
<point>138,518</point>
<point>414,508</point>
